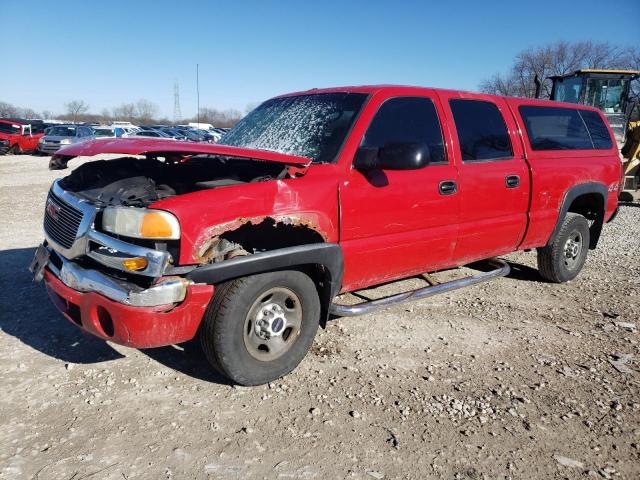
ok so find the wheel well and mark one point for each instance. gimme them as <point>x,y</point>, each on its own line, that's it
<point>321,277</point>
<point>270,234</point>
<point>590,206</point>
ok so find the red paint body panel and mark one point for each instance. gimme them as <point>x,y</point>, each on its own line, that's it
<point>139,327</point>
<point>493,217</point>
<point>310,199</point>
<point>555,172</point>
<point>145,146</point>
<point>396,223</point>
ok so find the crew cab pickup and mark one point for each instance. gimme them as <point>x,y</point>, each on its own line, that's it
<point>18,137</point>
<point>244,245</point>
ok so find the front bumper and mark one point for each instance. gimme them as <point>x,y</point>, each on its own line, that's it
<point>49,148</point>
<point>169,291</point>
<point>138,327</point>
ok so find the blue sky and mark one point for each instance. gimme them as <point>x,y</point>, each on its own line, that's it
<point>113,51</point>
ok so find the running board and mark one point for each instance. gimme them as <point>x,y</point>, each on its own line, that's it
<point>502,269</point>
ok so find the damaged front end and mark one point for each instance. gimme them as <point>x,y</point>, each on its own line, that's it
<point>109,253</point>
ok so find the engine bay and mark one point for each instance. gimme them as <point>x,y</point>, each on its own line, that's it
<point>138,182</point>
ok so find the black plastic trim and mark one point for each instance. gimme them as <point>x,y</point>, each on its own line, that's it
<point>573,193</point>
<point>328,255</point>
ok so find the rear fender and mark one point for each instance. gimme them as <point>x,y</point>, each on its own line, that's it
<point>574,192</point>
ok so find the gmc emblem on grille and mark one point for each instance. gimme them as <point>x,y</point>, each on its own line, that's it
<point>52,209</point>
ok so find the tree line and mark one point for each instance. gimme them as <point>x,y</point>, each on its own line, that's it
<point>141,112</point>
<point>560,58</point>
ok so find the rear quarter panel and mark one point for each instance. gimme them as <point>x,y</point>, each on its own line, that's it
<point>554,172</point>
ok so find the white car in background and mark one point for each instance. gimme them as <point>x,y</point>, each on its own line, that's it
<point>148,134</point>
<point>106,131</point>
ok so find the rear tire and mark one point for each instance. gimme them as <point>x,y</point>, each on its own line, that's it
<point>259,328</point>
<point>563,259</point>
<point>14,150</point>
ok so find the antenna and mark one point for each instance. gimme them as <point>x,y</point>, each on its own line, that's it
<point>198,90</point>
<point>177,115</point>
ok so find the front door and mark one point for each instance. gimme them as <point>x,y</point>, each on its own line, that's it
<point>396,223</point>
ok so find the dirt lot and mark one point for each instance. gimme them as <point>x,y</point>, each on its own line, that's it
<point>513,379</point>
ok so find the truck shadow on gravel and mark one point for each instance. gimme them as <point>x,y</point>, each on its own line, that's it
<point>187,359</point>
<point>524,272</point>
<point>27,314</point>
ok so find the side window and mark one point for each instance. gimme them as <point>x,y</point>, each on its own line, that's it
<point>407,120</point>
<point>482,132</point>
<point>597,129</point>
<point>555,128</point>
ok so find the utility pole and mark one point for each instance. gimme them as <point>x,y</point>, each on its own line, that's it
<point>177,115</point>
<point>198,90</point>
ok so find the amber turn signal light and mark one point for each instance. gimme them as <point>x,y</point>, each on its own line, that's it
<point>135,264</point>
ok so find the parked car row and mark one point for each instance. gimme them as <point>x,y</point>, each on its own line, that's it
<point>35,136</point>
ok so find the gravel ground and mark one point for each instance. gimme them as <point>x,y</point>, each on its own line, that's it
<point>513,379</point>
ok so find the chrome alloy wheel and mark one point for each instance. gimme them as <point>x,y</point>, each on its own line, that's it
<point>273,324</point>
<point>572,250</point>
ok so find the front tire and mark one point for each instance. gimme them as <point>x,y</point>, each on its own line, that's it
<point>259,328</point>
<point>564,258</point>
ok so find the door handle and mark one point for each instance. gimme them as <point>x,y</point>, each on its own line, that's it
<point>512,181</point>
<point>447,187</point>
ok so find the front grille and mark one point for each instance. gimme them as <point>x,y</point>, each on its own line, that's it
<point>61,221</point>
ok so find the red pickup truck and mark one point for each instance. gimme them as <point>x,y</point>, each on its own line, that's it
<point>18,137</point>
<point>245,244</point>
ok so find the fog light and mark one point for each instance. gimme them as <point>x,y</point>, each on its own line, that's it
<point>136,263</point>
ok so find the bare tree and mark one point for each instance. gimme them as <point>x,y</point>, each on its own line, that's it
<point>558,58</point>
<point>75,108</point>
<point>126,112</point>
<point>146,111</point>
<point>29,113</point>
<point>7,110</point>
<point>219,118</point>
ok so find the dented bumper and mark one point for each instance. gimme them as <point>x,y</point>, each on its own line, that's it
<point>139,327</point>
<point>170,291</point>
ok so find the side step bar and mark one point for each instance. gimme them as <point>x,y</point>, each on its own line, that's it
<point>502,269</point>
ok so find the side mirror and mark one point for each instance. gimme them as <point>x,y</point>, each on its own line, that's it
<point>366,159</point>
<point>404,156</point>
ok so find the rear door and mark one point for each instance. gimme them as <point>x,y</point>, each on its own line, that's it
<point>395,223</point>
<point>493,176</point>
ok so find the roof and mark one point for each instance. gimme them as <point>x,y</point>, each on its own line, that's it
<point>598,71</point>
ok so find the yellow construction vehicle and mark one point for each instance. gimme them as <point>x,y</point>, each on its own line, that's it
<point>607,90</point>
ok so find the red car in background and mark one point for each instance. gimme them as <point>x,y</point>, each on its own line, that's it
<point>19,136</point>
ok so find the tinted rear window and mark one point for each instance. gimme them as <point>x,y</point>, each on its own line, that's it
<point>598,130</point>
<point>482,132</point>
<point>557,128</point>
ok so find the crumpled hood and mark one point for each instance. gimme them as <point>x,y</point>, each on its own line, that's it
<point>158,147</point>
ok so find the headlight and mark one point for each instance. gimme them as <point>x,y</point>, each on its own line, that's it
<point>65,141</point>
<point>41,140</point>
<point>140,223</point>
